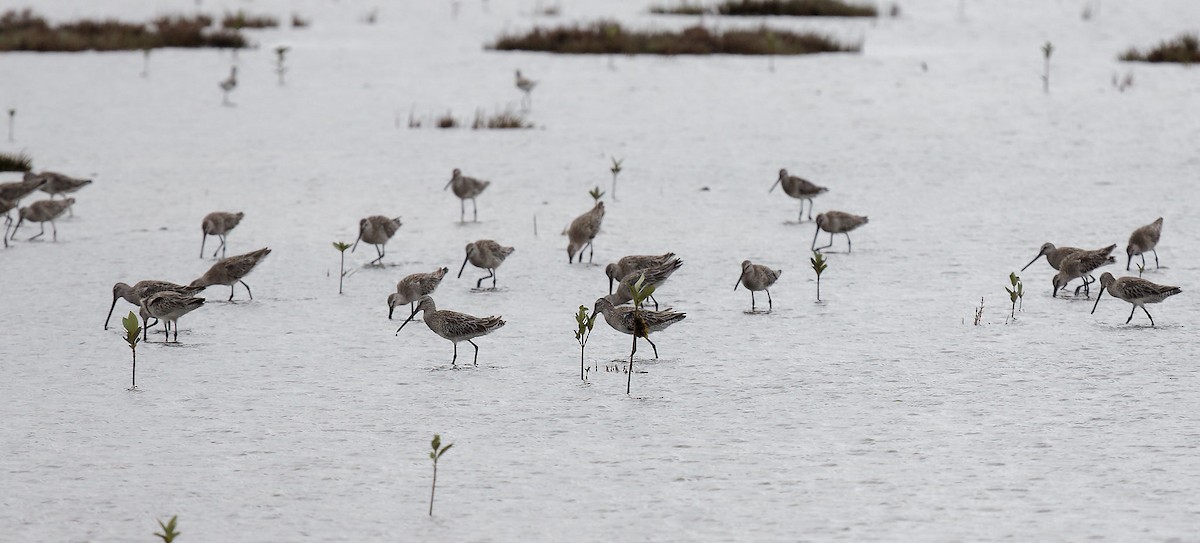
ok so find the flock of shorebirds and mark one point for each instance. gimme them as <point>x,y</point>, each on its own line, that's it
<point>167,302</point>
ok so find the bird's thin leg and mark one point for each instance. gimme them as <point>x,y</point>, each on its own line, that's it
<point>1131,311</point>
<point>54,229</point>
<point>1143,255</point>
<point>801,217</point>
<point>462,210</point>
<point>231,293</point>
<point>474,210</point>
<point>1155,259</point>
<point>491,274</point>
<point>770,305</point>
<point>652,345</point>
<point>378,251</point>
<point>1148,315</point>
<point>849,244</point>
<point>824,246</point>
<point>247,288</point>
<point>813,246</point>
<point>591,251</point>
<point>176,332</point>
<point>476,351</point>
<point>493,278</point>
<point>166,331</point>
<point>810,206</point>
<point>751,301</point>
<point>40,233</point>
<point>454,361</point>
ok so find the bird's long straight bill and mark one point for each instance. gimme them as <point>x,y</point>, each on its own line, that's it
<point>773,186</point>
<point>352,249</point>
<point>739,281</point>
<point>464,266</point>
<point>448,183</point>
<point>1032,261</point>
<point>110,310</point>
<point>1098,299</point>
<point>406,321</point>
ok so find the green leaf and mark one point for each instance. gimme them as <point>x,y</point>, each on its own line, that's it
<point>444,449</point>
<point>437,441</point>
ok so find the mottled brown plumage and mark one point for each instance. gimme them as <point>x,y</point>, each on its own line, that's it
<point>757,277</point>
<point>230,271</point>
<point>622,319</point>
<point>218,223</point>
<point>168,306</point>
<point>582,231</point>
<point>376,230</point>
<point>42,212</point>
<point>454,326</point>
<point>1136,291</point>
<point>633,263</point>
<point>800,189</point>
<point>1079,265</point>
<point>1144,239</point>
<point>466,188</point>
<point>485,254</point>
<point>413,287</point>
<point>837,222</point>
<point>142,290</point>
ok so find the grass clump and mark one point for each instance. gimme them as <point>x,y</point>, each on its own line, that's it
<point>15,162</point>
<point>686,8</point>
<point>1184,49</point>
<point>447,121</point>
<point>796,8</point>
<point>500,121</point>
<point>26,31</point>
<point>610,38</point>
<point>240,20</point>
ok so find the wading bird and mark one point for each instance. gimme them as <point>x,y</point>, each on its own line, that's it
<point>485,254</point>
<point>454,326</point>
<point>1136,291</point>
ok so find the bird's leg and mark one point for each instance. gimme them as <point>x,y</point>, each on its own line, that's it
<point>462,210</point>
<point>591,250</point>
<point>770,305</point>
<point>1143,255</point>
<point>54,230</point>
<point>801,217</point>
<point>655,300</point>
<point>247,288</point>
<point>1131,311</point>
<point>454,361</point>
<point>378,251</point>
<point>474,210</point>
<point>1148,315</point>
<point>1155,251</point>
<point>176,332</point>
<point>476,351</point>
<point>40,233</point>
<point>751,301</point>
<point>493,278</point>
<point>231,293</point>
<point>810,206</point>
<point>813,246</point>
<point>849,245</point>
<point>818,249</point>
<point>166,331</point>
<point>492,274</point>
<point>652,345</point>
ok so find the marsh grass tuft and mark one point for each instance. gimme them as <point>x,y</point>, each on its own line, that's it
<point>502,120</point>
<point>26,31</point>
<point>609,37</point>
<point>1184,49</point>
<point>168,534</point>
<point>447,121</point>
<point>240,20</point>
<point>794,8</point>
<point>15,162</point>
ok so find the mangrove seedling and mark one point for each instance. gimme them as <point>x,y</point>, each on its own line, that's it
<point>641,291</point>
<point>1017,292</point>
<point>132,331</point>
<point>979,312</point>
<point>168,530</point>
<point>596,194</point>
<point>341,247</point>
<point>585,323</point>
<point>435,455</point>
<point>1047,50</point>
<point>1141,268</point>
<point>818,266</point>
<point>280,69</point>
<point>12,118</point>
<point>615,169</point>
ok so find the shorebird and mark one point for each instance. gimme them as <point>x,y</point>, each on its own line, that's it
<point>466,188</point>
<point>227,85</point>
<point>1136,291</point>
<point>1144,239</point>
<point>218,223</point>
<point>1080,265</point>
<point>412,288</point>
<point>837,222</point>
<point>654,276</point>
<point>230,271</point>
<point>622,319</point>
<point>142,290</point>
<point>1054,255</point>
<point>800,189</point>
<point>58,184</point>
<point>14,191</point>
<point>42,212</point>
<point>5,207</point>
<point>168,306</point>
<point>582,231</point>
<point>757,277</point>
<point>526,85</point>
<point>485,254</point>
<point>454,326</point>
<point>376,230</point>
<point>633,263</point>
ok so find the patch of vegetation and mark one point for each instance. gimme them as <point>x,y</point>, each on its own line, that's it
<point>609,38</point>
<point>794,8</point>
<point>499,121</point>
<point>298,21</point>
<point>18,162</point>
<point>26,31</point>
<point>447,121</point>
<point>1184,49</point>
<point>240,20</point>
<point>686,8</point>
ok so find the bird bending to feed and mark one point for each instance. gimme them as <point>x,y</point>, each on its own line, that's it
<point>58,184</point>
<point>526,85</point>
<point>218,223</point>
<point>454,326</point>
<point>1054,255</point>
<point>582,231</point>
<point>412,288</point>
<point>466,188</point>
<point>621,319</point>
<point>14,191</point>
<point>837,222</point>
<point>376,230</point>
<point>1144,239</point>
<point>757,277</point>
<point>633,263</point>
<point>168,306</point>
<point>230,271</point>
<point>42,212</point>
<point>485,254</point>
<point>1080,265</point>
<point>655,276</point>
<point>227,85</point>
<point>142,290</point>
<point>1136,291</point>
<point>800,189</point>
<point>5,207</point>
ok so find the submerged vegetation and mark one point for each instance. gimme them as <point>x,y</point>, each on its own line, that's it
<point>240,20</point>
<point>608,37</point>
<point>26,31</point>
<point>795,8</point>
<point>499,121</point>
<point>1184,49</point>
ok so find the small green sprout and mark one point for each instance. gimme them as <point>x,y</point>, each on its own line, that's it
<point>435,455</point>
<point>168,530</point>
<point>616,170</point>
<point>585,322</point>
<point>596,194</point>
<point>132,333</point>
<point>1141,268</point>
<point>818,266</point>
<point>641,292</point>
<point>341,247</point>
<point>1017,292</point>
